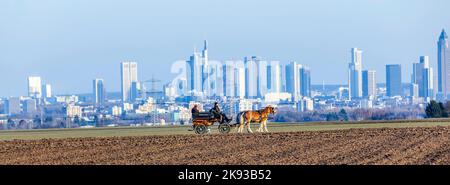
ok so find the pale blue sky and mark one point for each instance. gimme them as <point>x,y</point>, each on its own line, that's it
<point>70,42</point>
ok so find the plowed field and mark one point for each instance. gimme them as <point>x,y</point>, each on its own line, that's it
<point>426,145</point>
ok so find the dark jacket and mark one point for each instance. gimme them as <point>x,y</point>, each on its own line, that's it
<point>195,112</point>
<point>216,108</point>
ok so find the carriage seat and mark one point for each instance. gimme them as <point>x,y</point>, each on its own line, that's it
<point>205,115</point>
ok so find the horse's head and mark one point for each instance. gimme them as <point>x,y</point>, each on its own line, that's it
<point>271,110</point>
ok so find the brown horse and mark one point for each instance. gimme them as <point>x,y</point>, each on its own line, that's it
<point>261,117</point>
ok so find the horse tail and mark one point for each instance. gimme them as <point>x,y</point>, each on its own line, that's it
<point>241,118</point>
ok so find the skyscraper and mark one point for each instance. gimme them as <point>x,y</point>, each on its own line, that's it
<point>195,70</point>
<point>261,79</point>
<point>128,76</point>
<point>423,77</point>
<point>207,81</point>
<point>251,78</point>
<point>394,80</point>
<point>47,91</point>
<point>30,106</point>
<point>99,91</point>
<point>229,82</point>
<point>293,80</point>
<point>273,78</point>
<point>240,80</point>
<point>215,80</point>
<point>198,70</point>
<point>414,90</point>
<point>355,74</point>
<point>443,65</point>
<point>12,106</point>
<point>369,85</point>
<point>136,88</point>
<point>34,87</point>
<point>305,90</point>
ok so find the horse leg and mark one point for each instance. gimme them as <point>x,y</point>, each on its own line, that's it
<point>265,126</point>
<point>260,129</point>
<point>249,130</point>
<point>241,122</point>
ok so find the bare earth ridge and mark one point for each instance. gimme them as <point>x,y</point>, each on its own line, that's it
<point>429,145</point>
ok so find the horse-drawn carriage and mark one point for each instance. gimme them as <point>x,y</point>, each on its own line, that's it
<point>204,120</point>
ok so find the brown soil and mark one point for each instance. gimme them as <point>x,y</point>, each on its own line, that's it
<point>355,146</point>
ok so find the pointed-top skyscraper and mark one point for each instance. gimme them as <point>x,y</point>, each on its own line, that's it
<point>443,35</point>
<point>443,66</point>
<point>198,70</point>
<point>206,70</point>
<point>205,49</point>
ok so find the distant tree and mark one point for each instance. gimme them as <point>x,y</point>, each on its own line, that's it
<point>48,119</point>
<point>76,119</point>
<point>332,116</point>
<point>435,110</point>
<point>443,111</point>
<point>148,117</point>
<point>447,107</point>
<point>37,121</point>
<point>11,124</point>
<point>343,115</point>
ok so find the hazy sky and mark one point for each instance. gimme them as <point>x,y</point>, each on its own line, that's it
<point>70,42</point>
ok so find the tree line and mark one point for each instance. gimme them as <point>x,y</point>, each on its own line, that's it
<point>358,114</point>
<point>436,109</point>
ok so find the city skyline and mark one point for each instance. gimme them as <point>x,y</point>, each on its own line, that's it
<point>42,52</point>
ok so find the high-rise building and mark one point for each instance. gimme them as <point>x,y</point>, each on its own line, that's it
<point>443,65</point>
<point>414,90</point>
<point>215,80</point>
<point>198,70</point>
<point>170,90</point>
<point>274,78</point>
<point>283,78</point>
<point>305,104</point>
<point>261,79</point>
<point>423,77</point>
<point>293,80</point>
<point>47,91</point>
<point>30,106</point>
<point>136,88</point>
<point>229,82</point>
<point>128,76</point>
<point>369,85</point>
<point>240,80</point>
<point>305,85</point>
<point>99,92</point>
<point>394,80</point>
<point>194,72</point>
<point>251,78</point>
<point>208,83</point>
<point>34,87</point>
<point>355,74</point>
<point>12,106</point>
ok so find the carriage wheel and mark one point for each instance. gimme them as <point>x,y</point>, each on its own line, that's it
<point>224,128</point>
<point>201,129</point>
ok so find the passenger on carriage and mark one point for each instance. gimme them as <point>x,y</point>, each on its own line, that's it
<point>195,112</point>
<point>218,113</point>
